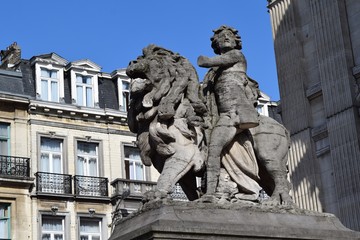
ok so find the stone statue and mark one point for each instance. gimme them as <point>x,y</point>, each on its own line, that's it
<point>235,97</point>
<point>237,129</point>
<point>213,132</point>
<point>167,113</point>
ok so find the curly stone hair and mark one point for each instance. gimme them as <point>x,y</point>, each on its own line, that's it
<point>214,39</point>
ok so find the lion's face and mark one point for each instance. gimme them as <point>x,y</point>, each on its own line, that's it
<point>138,68</point>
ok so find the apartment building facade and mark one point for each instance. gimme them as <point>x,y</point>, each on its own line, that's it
<point>67,158</point>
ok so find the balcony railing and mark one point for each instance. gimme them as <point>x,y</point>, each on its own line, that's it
<point>135,188</point>
<point>53,183</point>
<point>178,194</point>
<point>91,186</point>
<point>14,166</point>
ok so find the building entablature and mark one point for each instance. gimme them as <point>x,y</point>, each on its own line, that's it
<point>77,112</point>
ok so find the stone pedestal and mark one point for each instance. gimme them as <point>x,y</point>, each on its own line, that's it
<point>195,220</point>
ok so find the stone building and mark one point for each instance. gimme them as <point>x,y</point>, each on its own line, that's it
<point>67,158</point>
<point>317,48</point>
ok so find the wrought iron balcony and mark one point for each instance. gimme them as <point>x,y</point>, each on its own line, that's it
<point>53,183</point>
<point>14,166</point>
<point>134,188</point>
<point>91,186</point>
<point>178,194</point>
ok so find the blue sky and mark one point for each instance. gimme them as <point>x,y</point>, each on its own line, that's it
<point>112,32</point>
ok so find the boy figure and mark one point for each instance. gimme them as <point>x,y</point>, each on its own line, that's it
<point>235,93</point>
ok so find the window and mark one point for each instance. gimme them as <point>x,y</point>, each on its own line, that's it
<point>49,80</point>
<point>49,85</point>
<point>84,83</point>
<point>4,139</point>
<point>90,229</point>
<point>124,97</point>
<point>134,169</point>
<point>84,90</point>
<point>87,159</point>
<point>51,155</point>
<point>52,228</point>
<point>5,228</point>
<point>49,77</point>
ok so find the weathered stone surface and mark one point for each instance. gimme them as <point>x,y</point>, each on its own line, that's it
<point>185,132</point>
<point>195,220</point>
<point>261,144</point>
<point>166,112</point>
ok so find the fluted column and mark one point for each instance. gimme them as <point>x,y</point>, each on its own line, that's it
<point>289,53</point>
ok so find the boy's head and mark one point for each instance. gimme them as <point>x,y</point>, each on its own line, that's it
<point>214,39</point>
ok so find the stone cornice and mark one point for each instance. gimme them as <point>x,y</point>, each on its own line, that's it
<point>77,112</point>
<point>10,97</point>
<point>81,127</point>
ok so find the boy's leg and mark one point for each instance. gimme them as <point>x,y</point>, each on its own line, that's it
<point>221,136</point>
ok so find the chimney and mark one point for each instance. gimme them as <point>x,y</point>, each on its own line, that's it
<point>10,57</point>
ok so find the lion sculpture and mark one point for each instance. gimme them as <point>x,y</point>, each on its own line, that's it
<point>168,113</point>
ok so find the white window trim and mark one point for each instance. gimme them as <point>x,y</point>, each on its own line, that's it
<point>53,232</point>
<point>264,108</point>
<point>91,235</point>
<point>133,161</point>
<point>8,217</point>
<point>8,137</point>
<point>64,158</point>
<point>102,219</point>
<point>86,157</point>
<point>121,91</point>
<point>51,155</point>
<point>66,222</point>
<point>52,67</point>
<point>95,85</point>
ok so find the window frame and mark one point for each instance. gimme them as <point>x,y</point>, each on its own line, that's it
<point>51,155</point>
<point>146,173</point>
<point>99,157</point>
<point>90,235</point>
<point>7,218</point>
<point>38,77</point>
<point>7,138</point>
<point>84,87</point>
<point>95,86</point>
<point>65,216</point>
<point>49,81</point>
<point>64,159</point>
<point>121,91</point>
<point>102,222</point>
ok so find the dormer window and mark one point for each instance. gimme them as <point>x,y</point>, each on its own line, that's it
<point>123,83</point>
<point>124,95</point>
<point>84,83</point>
<point>49,77</point>
<point>84,90</point>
